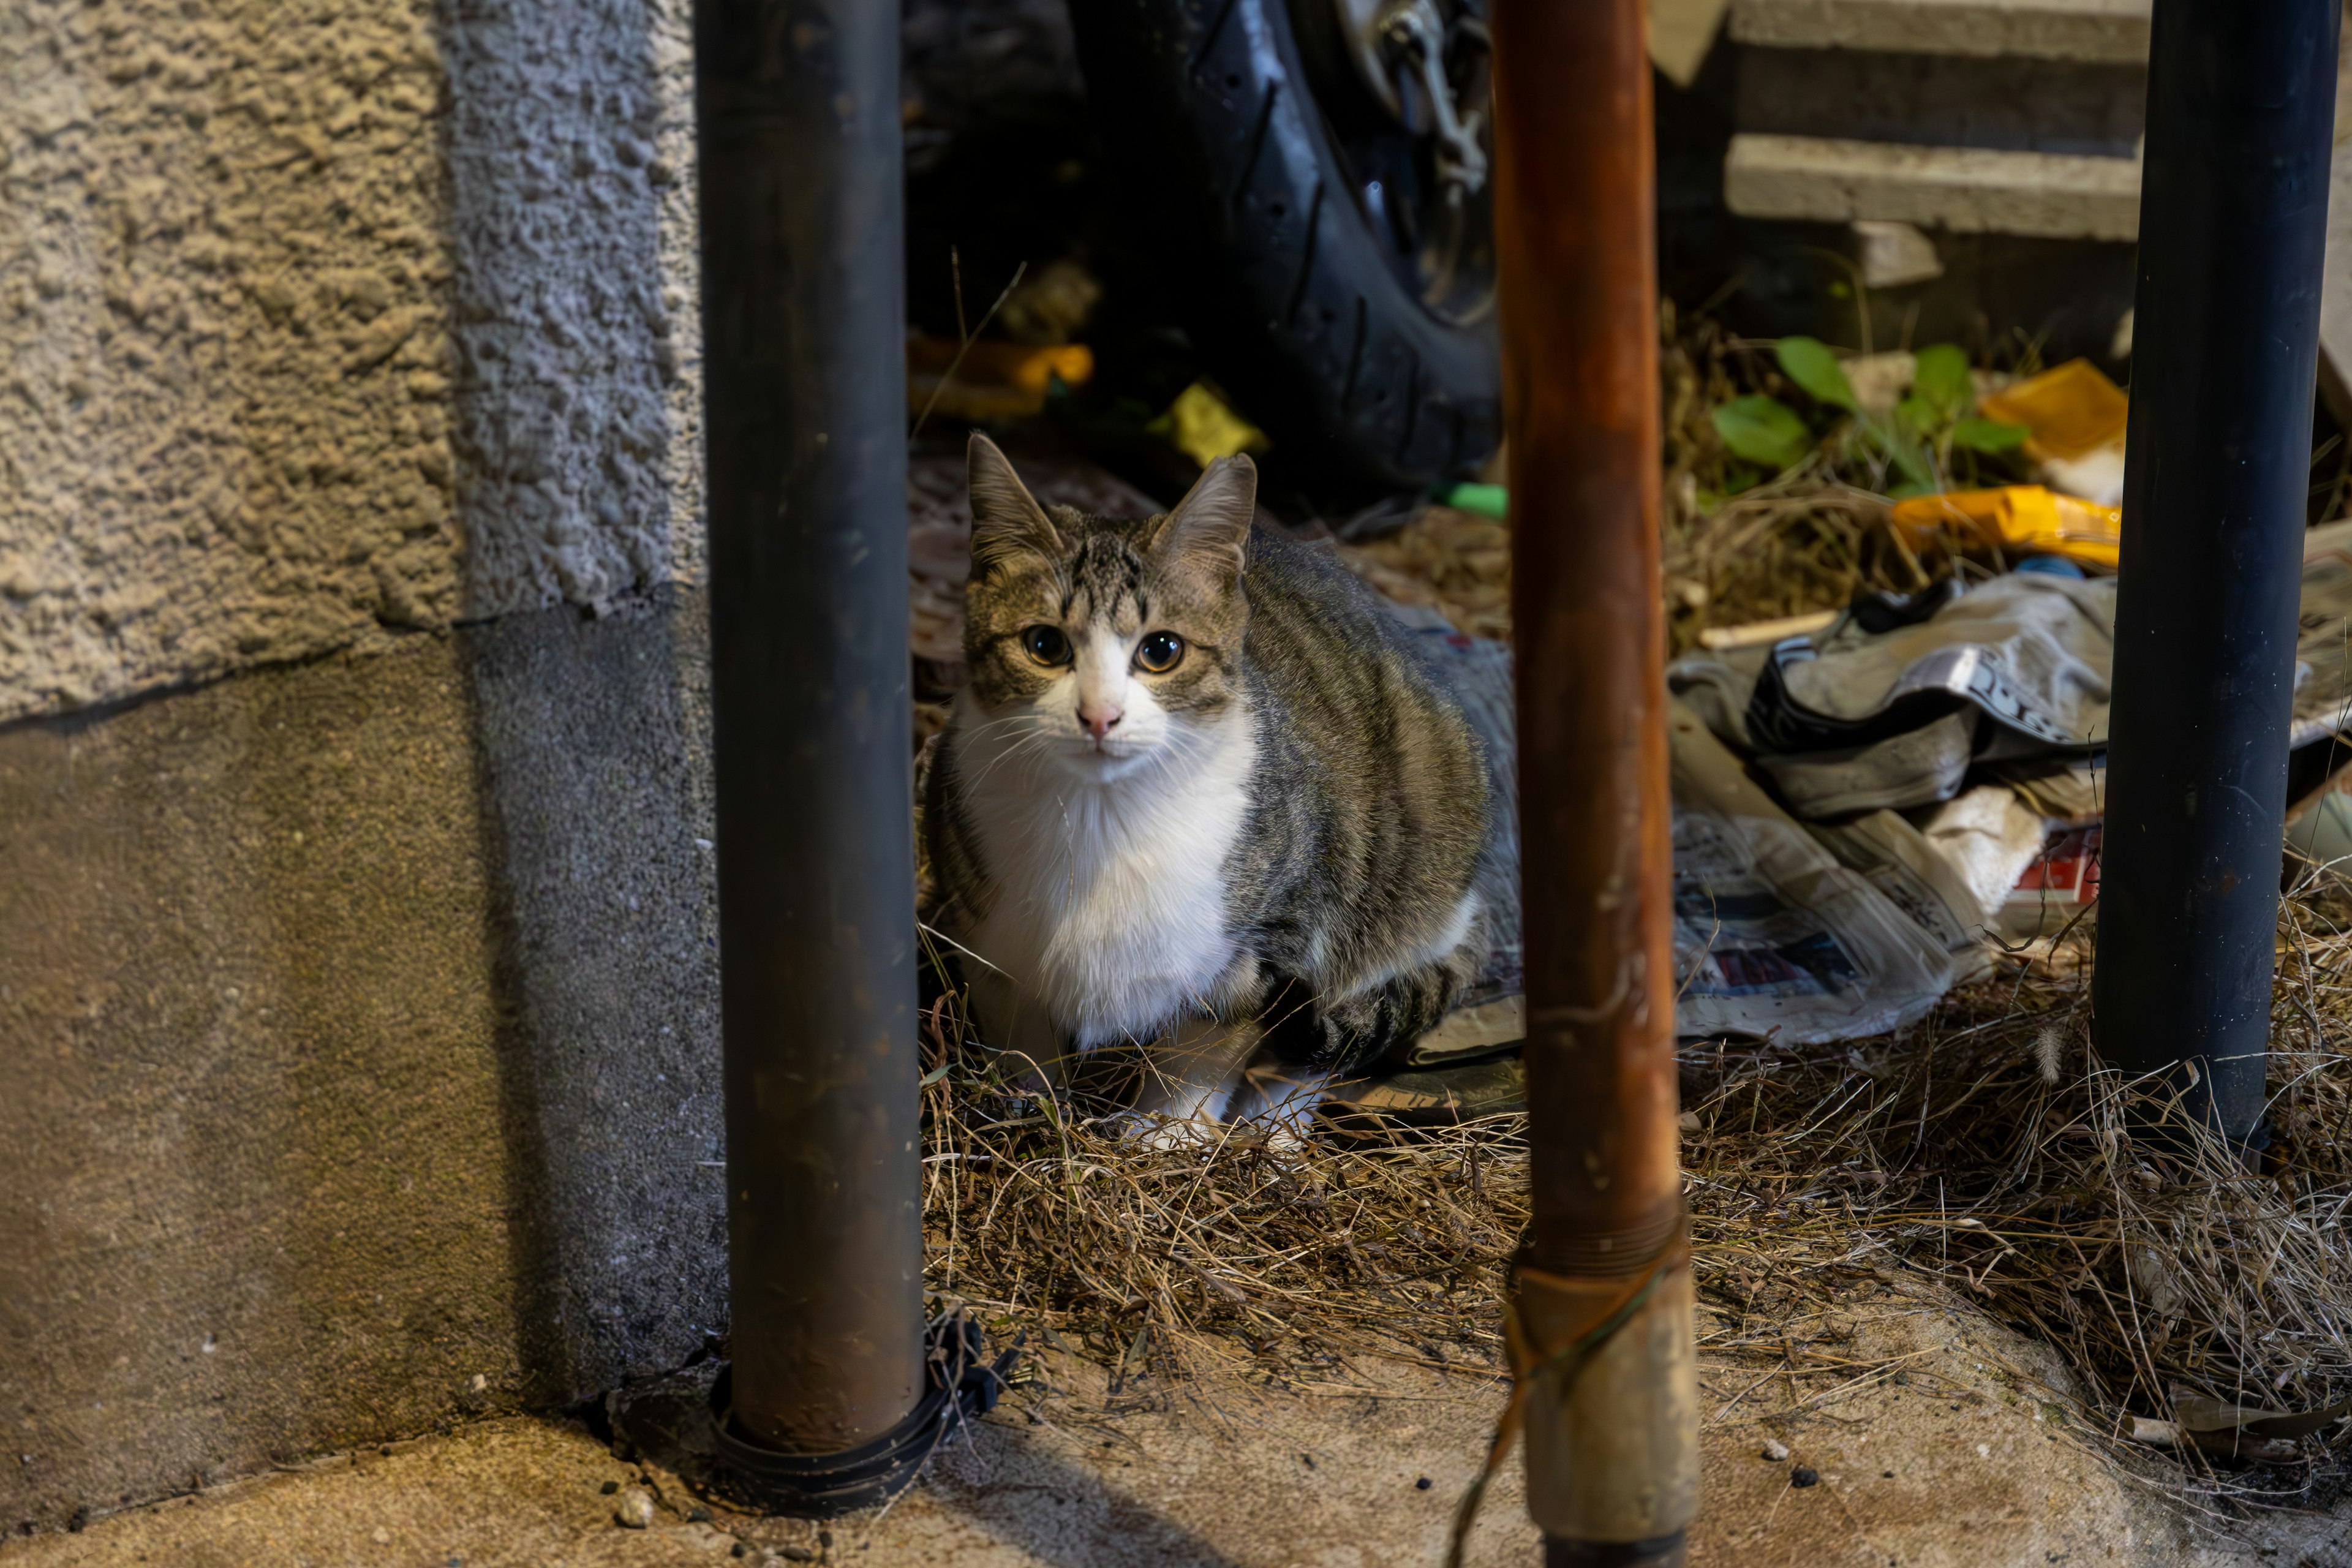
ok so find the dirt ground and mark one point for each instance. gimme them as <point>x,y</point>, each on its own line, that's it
<point>1962,1459</point>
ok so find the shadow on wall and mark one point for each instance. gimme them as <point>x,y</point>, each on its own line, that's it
<point>576,444</point>
<point>592,762</point>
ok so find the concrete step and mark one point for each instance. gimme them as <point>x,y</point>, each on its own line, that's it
<point>2110,32</point>
<point>2017,117</point>
<point>1964,190</point>
<point>1976,116</point>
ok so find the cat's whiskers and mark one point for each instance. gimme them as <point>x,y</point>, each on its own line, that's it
<point>1024,715</point>
<point>1035,739</point>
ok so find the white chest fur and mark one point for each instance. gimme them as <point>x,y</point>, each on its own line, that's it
<point>1110,896</point>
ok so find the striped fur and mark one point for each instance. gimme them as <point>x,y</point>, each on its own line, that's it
<point>1265,858</point>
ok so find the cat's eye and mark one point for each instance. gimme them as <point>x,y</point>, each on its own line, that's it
<point>1159,652</point>
<point>1047,645</point>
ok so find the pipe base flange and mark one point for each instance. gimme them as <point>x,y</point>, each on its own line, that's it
<point>686,1421</point>
<point>823,1485</point>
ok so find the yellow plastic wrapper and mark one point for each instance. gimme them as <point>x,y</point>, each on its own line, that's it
<point>2017,519</point>
<point>1203,426</point>
<point>2071,411</point>
<point>991,380</point>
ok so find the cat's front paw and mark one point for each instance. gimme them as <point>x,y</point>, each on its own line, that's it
<point>1148,1130</point>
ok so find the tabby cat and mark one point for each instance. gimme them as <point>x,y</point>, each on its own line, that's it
<point>1201,794</point>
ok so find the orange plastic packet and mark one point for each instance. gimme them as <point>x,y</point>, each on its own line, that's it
<point>2071,411</point>
<point>993,380</point>
<point>2017,519</point>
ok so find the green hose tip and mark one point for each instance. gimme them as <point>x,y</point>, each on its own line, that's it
<point>1487,501</point>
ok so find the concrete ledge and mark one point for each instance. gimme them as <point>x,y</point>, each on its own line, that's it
<point>1965,189</point>
<point>1994,103</point>
<point>360,1026</point>
<point>2113,31</point>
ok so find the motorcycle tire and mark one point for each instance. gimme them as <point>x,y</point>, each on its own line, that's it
<point>1286,285</point>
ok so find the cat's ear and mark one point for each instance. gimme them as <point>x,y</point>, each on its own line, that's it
<point>1006,519</point>
<point>1209,527</point>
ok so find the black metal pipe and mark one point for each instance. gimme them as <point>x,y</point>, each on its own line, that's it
<point>805,404</point>
<point>2233,206</point>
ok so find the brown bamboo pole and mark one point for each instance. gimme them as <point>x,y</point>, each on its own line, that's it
<point>1602,1304</point>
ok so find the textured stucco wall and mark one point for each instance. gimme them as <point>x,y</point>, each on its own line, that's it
<point>360,1009</point>
<point>322,319</point>
<point>360,1021</point>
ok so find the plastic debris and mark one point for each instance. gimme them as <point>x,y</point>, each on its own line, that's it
<point>2015,520</point>
<point>2075,419</point>
<point>2235,1431</point>
<point>2060,884</point>
<point>1487,501</point>
<point>2323,832</point>
<point>2200,1414</point>
<point>2097,478</point>
<point>1756,634</point>
<point>1894,255</point>
<point>2070,412</point>
<point>1051,305</point>
<point>984,379</point>
<point>1203,426</point>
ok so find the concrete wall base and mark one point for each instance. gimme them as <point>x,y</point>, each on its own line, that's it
<point>361,1026</point>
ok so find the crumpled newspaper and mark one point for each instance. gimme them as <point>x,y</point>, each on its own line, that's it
<point>1781,928</point>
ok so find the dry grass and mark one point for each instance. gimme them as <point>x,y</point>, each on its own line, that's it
<point>1982,1149</point>
<point>1304,1269</point>
<point>1986,1150</point>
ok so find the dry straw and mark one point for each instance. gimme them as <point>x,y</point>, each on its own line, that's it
<point>2153,1261</point>
<point>1306,1265</point>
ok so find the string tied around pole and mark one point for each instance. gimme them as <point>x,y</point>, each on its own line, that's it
<point>1551,1325</point>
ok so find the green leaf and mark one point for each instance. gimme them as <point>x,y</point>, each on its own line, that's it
<point>1909,488</point>
<point>1940,378</point>
<point>1916,415</point>
<point>1989,435</point>
<point>1905,452</point>
<point>1809,363</point>
<point>1763,430</point>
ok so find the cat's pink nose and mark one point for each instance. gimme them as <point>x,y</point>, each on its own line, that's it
<point>1099,721</point>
